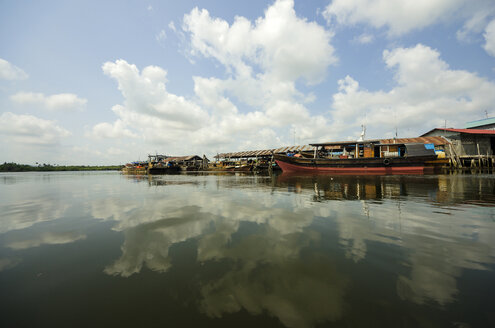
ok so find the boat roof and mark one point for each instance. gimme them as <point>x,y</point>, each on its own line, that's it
<point>345,143</point>
<point>437,141</point>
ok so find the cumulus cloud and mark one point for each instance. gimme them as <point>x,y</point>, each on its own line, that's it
<point>31,130</point>
<point>263,61</point>
<point>427,93</point>
<point>159,116</point>
<point>115,130</point>
<point>490,38</point>
<point>58,102</point>
<point>9,71</point>
<point>283,45</point>
<point>403,16</point>
<point>145,93</point>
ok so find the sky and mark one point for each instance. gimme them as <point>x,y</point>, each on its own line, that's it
<point>109,82</point>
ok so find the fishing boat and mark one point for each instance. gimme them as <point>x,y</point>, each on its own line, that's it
<point>135,168</point>
<point>363,157</point>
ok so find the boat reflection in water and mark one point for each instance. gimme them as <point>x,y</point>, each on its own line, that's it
<point>255,250</point>
<point>455,188</point>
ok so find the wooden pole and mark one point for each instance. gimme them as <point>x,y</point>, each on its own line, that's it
<point>452,157</point>
<point>479,155</point>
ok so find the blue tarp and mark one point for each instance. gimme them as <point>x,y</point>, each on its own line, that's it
<point>430,146</point>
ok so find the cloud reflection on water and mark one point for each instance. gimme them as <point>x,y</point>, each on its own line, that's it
<point>403,211</point>
<point>271,233</point>
<point>266,276</point>
<point>45,238</point>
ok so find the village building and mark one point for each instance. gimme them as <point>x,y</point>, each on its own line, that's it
<point>184,163</point>
<point>468,147</point>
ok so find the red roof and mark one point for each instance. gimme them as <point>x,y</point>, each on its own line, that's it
<point>468,131</point>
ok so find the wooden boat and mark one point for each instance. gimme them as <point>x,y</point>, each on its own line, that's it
<point>230,166</point>
<point>135,168</point>
<point>243,168</point>
<point>363,157</point>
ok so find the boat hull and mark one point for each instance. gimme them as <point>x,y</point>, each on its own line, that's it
<point>163,170</point>
<point>133,170</point>
<point>398,165</point>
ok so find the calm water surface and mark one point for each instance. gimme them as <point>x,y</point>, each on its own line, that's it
<point>225,250</point>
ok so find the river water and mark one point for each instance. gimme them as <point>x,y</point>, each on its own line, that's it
<point>231,250</point>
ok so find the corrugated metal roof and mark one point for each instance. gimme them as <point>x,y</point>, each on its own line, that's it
<point>434,140</point>
<point>437,141</point>
<point>467,131</point>
<point>485,121</point>
<point>181,158</point>
<point>293,149</point>
<point>264,152</point>
<point>347,142</point>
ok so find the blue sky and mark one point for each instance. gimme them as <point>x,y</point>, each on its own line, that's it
<point>86,82</point>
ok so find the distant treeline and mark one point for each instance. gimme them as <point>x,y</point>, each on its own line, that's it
<point>14,167</point>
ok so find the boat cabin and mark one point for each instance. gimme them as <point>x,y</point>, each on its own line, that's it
<point>370,149</point>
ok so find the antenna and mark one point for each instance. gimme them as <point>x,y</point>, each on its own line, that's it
<point>486,113</point>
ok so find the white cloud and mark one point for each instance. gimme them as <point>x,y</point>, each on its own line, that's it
<point>58,102</point>
<point>30,130</point>
<point>403,16</point>
<point>9,71</point>
<point>164,118</point>
<point>490,38</point>
<point>281,44</point>
<point>427,93</point>
<point>263,61</point>
<point>115,130</point>
<point>171,26</point>
<point>162,35</point>
<point>259,99</point>
<point>145,94</point>
<point>364,38</point>
<point>477,22</point>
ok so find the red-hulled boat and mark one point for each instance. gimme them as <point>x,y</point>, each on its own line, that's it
<point>364,157</point>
